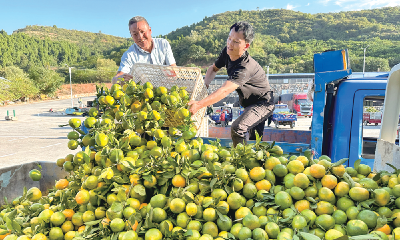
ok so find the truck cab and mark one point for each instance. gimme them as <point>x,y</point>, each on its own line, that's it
<point>337,127</point>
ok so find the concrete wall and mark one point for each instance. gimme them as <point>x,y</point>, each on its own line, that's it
<point>13,179</point>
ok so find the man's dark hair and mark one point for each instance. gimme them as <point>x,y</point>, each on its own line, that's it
<point>137,19</point>
<point>247,30</point>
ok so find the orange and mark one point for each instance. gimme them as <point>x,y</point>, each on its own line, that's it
<point>77,219</point>
<point>324,207</point>
<point>251,221</point>
<point>82,197</point>
<point>177,205</point>
<point>332,234</point>
<point>210,214</point>
<point>303,159</point>
<point>338,170</point>
<point>5,235</point>
<point>242,212</point>
<point>301,180</point>
<point>67,226</point>
<point>34,194</point>
<point>263,185</point>
<point>296,193</point>
<point>326,221</point>
<point>62,184</point>
<point>329,181</point>
<point>211,229</point>
<point>233,200</point>
<point>317,171</point>
<point>299,222</point>
<point>179,181</point>
<point>257,173</point>
<point>283,199</point>
<point>56,233</point>
<point>271,163</point>
<point>57,218</point>
<point>117,225</point>
<point>272,230</point>
<point>385,229</point>
<point>302,205</point>
<point>342,189</point>
<point>359,194</point>
<point>325,194</point>
<point>36,175</point>
<point>356,227</point>
<point>295,166</point>
<point>382,197</point>
<point>149,184</point>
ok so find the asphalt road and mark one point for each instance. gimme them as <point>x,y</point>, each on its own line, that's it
<point>36,135</point>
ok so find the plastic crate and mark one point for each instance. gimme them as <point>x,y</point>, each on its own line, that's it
<point>203,130</point>
<point>169,76</point>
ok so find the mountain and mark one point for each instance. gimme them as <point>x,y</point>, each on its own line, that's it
<point>285,40</point>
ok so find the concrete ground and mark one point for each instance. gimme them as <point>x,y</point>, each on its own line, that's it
<point>36,134</point>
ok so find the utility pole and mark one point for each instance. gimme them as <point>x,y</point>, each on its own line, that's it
<point>70,83</point>
<point>364,60</point>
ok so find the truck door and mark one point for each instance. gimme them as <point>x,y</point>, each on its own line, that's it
<point>363,138</point>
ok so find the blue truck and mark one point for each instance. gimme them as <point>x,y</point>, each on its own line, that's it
<point>337,125</point>
<point>283,116</point>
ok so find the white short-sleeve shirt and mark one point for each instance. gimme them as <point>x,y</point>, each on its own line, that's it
<point>160,55</point>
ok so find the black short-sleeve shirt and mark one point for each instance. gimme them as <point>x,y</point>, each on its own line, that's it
<point>249,75</point>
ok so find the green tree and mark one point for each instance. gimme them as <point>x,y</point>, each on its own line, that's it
<point>19,86</point>
<point>47,81</point>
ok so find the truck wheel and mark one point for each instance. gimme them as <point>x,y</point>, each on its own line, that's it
<point>376,124</point>
<point>309,116</point>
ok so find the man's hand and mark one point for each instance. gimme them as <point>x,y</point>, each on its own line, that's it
<point>194,107</point>
<point>122,79</point>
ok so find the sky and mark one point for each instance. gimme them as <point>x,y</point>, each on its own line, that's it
<point>112,17</point>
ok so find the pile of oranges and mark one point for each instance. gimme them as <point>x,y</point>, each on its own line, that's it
<point>175,186</point>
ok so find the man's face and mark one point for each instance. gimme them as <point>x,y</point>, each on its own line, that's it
<point>141,34</point>
<point>236,44</point>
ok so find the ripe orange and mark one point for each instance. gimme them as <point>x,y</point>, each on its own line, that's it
<point>34,194</point>
<point>82,197</point>
<point>329,181</point>
<point>263,185</point>
<point>317,170</point>
<point>342,189</point>
<point>302,205</point>
<point>179,181</point>
<point>68,213</point>
<point>257,173</point>
<point>62,184</point>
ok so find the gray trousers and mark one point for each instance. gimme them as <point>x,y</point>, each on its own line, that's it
<point>252,120</point>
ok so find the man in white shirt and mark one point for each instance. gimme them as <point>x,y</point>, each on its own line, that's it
<point>145,50</point>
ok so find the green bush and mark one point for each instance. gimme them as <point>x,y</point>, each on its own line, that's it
<point>46,80</point>
<point>20,84</point>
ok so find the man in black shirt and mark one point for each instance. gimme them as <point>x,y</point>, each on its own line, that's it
<point>245,76</point>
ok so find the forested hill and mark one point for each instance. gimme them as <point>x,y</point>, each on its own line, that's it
<point>96,43</point>
<point>286,40</point>
<point>290,26</point>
